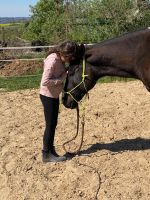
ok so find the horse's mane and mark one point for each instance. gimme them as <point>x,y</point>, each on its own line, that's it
<point>121,37</point>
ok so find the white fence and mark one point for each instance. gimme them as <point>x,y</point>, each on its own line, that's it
<point>22,48</point>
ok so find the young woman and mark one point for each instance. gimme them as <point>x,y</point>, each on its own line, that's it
<point>54,74</point>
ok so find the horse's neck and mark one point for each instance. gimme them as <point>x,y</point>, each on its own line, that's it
<point>120,71</point>
<point>119,56</point>
<point>112,62</point>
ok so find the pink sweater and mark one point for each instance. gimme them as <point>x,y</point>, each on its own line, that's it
<point>53,76</point>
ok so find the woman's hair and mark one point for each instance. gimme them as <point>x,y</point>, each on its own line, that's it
<point>66,48</point>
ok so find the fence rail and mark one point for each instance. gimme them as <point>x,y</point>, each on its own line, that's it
<point>31,47</point>
<point>24,47</point>
<point>21,59</point>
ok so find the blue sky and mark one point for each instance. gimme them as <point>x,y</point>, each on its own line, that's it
<point>16,8</point>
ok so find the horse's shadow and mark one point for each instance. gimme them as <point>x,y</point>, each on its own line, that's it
<point>136,144</point>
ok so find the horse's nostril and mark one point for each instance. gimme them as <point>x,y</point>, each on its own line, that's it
<point>71,104</point>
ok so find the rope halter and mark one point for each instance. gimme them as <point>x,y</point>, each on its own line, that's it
<point>82,82</point>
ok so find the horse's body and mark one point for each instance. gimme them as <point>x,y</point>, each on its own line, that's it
<point>126,56</point>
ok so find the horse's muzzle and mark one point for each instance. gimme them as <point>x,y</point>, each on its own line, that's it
<point>69,103</point>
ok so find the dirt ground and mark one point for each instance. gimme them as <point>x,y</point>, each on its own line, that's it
<point>115,164</point>
<point>16,68</point>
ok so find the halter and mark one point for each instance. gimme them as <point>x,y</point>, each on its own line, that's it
<point>82,81</point>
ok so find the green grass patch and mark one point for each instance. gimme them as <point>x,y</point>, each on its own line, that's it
<point>20,82</point>
<point>4,25</point>
<point>10,24</point>
<point>111,79</point>
<point>33,81</point>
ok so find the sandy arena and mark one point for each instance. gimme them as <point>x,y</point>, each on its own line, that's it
<point>116,164</point>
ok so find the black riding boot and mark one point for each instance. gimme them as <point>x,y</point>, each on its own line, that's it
<point>52,156</point>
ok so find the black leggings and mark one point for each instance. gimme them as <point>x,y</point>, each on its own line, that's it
<point>51,108</point>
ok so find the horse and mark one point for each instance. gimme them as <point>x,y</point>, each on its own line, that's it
<point>125,56</point>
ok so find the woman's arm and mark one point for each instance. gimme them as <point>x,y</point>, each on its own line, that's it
<point>48,74</point>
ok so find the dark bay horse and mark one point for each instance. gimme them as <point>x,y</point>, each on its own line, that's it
<point>125,56</point>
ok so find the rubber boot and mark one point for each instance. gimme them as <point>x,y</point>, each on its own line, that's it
<point>52,157</point>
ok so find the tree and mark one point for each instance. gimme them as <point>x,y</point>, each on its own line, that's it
<point>47,22</point>
<point>142,17</point>
<point>85,20</point>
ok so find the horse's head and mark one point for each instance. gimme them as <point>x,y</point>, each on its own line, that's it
<point>79,81</point>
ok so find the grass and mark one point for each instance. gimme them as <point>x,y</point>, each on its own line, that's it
<point>6,25</point>
<point>110,79</point>
<point>9,24</point>
<point>33,81</point>
<point>20,82</point>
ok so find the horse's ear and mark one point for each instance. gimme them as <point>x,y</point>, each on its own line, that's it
<point>81,50</point>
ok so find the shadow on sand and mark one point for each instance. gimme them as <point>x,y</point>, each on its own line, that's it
<point>136,144</point>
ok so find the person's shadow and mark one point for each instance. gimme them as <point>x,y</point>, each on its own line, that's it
<point>119,146</point>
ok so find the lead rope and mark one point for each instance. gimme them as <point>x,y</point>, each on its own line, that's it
<point>77,132</point>
<point>83,114</point>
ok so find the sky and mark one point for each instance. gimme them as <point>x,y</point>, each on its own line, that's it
<point>16,8</point>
